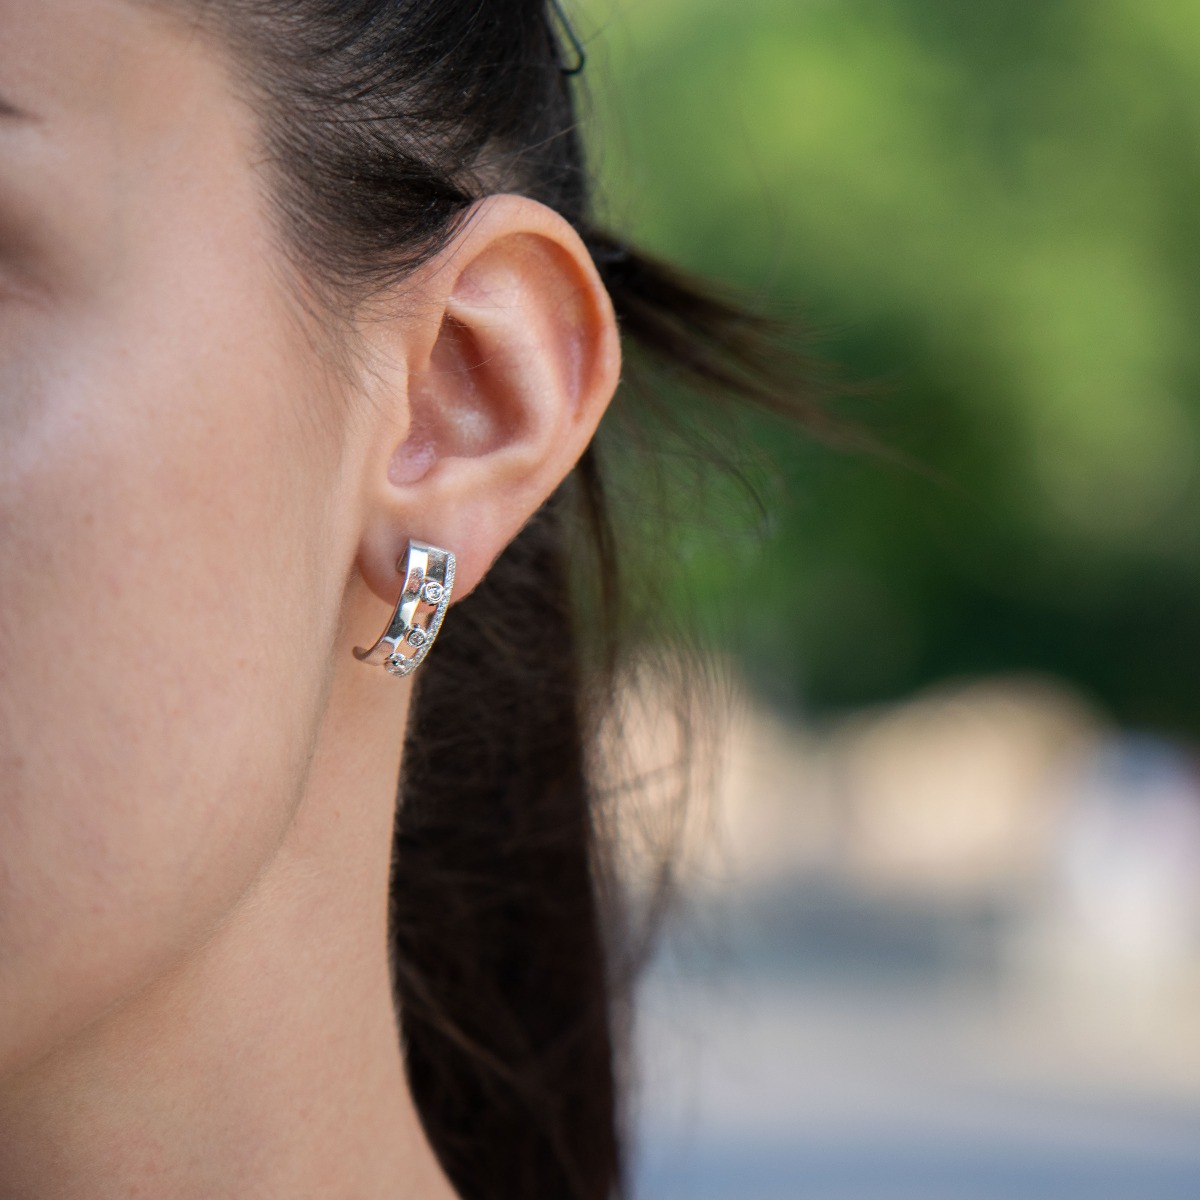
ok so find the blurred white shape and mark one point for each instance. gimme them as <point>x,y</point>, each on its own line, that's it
<point>1121,914</point>
<point>954,791</point>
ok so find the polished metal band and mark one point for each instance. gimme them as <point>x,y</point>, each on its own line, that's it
<point>428,580</point>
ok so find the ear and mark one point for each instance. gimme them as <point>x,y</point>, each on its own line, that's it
<point>490,387</point>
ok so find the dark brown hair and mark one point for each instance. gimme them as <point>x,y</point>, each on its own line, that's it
<point>384,120</point>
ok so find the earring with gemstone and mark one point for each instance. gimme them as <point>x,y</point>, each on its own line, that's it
<point>428,579</point>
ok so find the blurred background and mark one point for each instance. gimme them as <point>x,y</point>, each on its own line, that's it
<point>940,930</point>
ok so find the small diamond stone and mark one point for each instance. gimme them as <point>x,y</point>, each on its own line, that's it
<point>396,664</point>
<point>432,592</point>
<point>417,636</point>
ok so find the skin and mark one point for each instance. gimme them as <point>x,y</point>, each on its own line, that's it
<point>201,510</point>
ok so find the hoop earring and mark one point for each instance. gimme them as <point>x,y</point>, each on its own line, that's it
<point>428,579</point>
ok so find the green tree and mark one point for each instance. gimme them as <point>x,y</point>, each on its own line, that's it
<point>994,209</point>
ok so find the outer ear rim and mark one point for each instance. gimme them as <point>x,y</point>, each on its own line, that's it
<point>540,220</point>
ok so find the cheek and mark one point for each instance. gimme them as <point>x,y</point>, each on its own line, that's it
<point>166,608</point>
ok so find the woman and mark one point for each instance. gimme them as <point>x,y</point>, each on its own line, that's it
<point>288,287</point>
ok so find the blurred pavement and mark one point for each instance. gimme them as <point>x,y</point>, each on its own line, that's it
<point>945,949</point>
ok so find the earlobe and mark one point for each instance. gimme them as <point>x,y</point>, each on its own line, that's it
<point>504,396</point>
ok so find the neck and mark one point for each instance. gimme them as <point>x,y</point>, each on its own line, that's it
<point>266,1062</point>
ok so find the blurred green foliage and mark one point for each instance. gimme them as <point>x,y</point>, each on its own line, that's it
<point>992,207</point>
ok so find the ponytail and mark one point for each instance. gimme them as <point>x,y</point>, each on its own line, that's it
<point>499,950</point>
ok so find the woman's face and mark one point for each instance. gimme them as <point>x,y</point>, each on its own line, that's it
<point>174,536</point>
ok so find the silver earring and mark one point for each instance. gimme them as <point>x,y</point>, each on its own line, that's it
<point>428,579</point>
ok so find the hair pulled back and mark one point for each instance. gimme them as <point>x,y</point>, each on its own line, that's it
<point>384,121</point>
